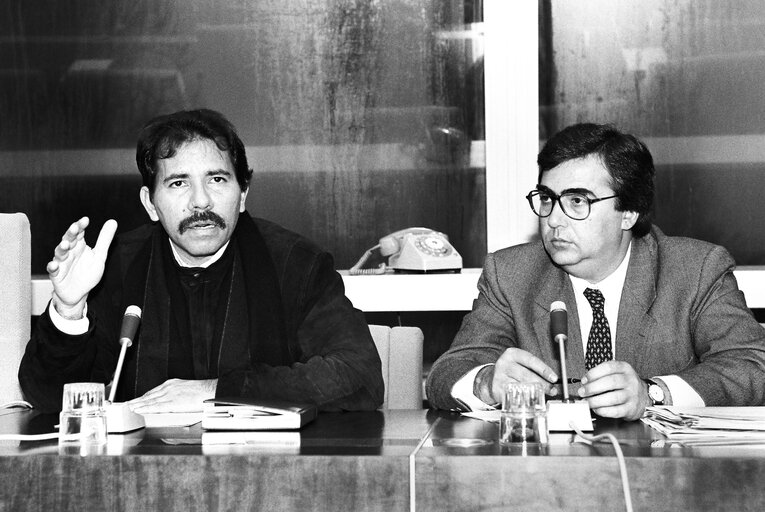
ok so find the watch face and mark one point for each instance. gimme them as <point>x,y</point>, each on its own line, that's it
<point>656,393</point>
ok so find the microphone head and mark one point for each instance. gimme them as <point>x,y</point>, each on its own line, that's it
<point>130,321</point>
<point>136,311</point>
<point>558,319</point>
<point>555,306</point>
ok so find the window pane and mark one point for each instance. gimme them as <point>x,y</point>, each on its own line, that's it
<point>685,76</point>
<point>360,118</point>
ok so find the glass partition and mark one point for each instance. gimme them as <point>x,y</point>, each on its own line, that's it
<point>360,117</point>
<point>684,75</point>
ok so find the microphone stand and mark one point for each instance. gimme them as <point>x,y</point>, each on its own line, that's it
<point>119,417</point>
<point>566,414</point>
<point>561,339</point>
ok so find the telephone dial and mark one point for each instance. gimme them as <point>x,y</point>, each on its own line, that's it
<point>420,250</point>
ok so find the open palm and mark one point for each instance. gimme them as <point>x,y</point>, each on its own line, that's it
<point>76,268</point>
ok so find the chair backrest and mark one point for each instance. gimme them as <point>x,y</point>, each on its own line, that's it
<point>400,350</point>
<point>15,300</point>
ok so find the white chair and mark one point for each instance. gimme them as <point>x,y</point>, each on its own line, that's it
<point>400,350</point>
<point>15,300</point>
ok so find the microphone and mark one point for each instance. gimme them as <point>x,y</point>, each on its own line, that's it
<point>130,322</point>
<point>119,417</point>
<point>559,321</point>
<point>567,414</point>
<point>559,331</point>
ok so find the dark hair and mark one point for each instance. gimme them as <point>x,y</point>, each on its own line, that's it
<point>626,159</point>
<point>161,137</point>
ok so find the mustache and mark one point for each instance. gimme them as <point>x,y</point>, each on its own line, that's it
<point>201,217</point>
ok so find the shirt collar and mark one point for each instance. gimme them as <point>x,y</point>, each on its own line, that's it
<point>612,285</point>
<point>215,257</point>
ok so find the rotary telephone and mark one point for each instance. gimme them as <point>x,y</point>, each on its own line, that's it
<point>418,250</point>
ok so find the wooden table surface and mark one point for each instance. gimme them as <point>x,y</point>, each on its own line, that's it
<point>372,461</point>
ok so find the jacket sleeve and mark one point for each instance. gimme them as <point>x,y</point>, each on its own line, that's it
<point>728,343</point>
<point>338,367</point>
<point>53,358</point>
<point>486,332</point>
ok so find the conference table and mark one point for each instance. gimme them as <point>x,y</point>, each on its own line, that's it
<point>387,460</point>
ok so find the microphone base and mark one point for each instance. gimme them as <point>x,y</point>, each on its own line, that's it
<point>120,419</point>
<point>561,415</point>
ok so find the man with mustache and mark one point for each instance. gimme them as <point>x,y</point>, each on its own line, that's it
<point>233,306</point>
<point>652,319</point>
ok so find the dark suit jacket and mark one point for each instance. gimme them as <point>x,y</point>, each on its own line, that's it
<point>681,313</point>
<point>325,351</point>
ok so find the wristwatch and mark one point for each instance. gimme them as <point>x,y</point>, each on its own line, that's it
<point>655,392</point>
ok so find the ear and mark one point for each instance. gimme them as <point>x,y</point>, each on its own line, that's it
<point>147,204</point>
<point>629,219</point>
<point>243,200</point>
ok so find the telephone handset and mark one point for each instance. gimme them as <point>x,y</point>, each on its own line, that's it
<point>419,250</point>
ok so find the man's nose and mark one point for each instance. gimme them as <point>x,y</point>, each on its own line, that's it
<point>556,218</point>
<point>200,198</point>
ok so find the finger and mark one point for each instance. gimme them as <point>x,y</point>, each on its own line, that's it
<point>62,250</point>
<point>602,385</point>
<point>531,362</point>
<point>147,398</point>
<point>520,373</point>
<point>611,398</point>
<point>52,268</point>
<point>105,237</point>
<point>76,229</point>
<point>144,403</point>
<point>607,368</point>
<point>146,408</point>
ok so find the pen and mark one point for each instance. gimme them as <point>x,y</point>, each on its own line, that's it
<point>569,381</point>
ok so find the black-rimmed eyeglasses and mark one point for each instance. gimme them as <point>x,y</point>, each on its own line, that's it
<point>574,204</point>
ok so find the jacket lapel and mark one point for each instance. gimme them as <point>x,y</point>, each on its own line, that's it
<point>556,286</point>
<point>635,324</point>
<point>153,343</point>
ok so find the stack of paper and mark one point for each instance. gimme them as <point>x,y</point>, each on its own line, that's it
<point>708,424</point>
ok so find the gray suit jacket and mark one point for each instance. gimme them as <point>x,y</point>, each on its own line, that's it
<point>681,313</point>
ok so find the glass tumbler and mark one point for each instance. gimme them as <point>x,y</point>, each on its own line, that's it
<point>82,422</point>
<point>524,414</point>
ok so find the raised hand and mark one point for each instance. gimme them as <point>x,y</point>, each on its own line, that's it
<point>76,268</point>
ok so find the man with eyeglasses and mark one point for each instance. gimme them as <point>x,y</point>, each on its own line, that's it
<point>653,320</point>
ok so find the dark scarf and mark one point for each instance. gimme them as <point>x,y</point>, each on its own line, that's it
<point>252,328</point>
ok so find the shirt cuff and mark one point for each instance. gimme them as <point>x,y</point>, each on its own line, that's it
<point>681,392</point>
<point>462,391</point>
<point>71,327</point>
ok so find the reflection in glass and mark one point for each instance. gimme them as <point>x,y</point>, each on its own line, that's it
<point>360,118</point>
<point>685,76</point>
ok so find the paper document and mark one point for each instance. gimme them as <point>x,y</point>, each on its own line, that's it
<point>707,423</point>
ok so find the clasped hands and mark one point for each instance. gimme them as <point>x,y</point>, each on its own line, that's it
<point>612,389</point>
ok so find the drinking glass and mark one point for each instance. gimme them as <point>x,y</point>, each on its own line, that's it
<point>524,414</point>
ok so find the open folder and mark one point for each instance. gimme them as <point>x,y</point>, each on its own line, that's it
<point>247,414</point>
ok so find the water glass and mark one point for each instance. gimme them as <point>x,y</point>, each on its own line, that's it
<point>82,422</point>
<point>524,414</point>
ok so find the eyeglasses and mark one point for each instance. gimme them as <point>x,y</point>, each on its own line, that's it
<point>574,204</point>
